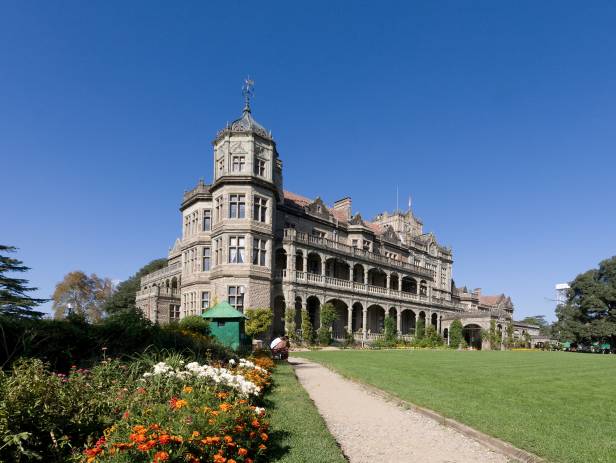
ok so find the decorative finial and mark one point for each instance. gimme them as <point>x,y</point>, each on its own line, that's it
<point>248,92</point>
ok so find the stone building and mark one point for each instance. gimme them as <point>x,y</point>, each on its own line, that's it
<point>248,241</point>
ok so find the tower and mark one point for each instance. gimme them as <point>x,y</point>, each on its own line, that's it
<point>247,185</point>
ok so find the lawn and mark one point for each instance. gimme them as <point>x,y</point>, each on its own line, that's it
<point>300,433</point>
<point>561,406</point>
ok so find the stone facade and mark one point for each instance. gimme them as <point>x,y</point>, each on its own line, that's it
<point>247,240</point>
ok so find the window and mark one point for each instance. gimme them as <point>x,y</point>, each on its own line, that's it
<point>236,297</point>
<point>207,219</point>
<point>218,208</point>
<point>236,250</point>
<point>260,167</point>
<point>205,300</point>
<point>354,243</point>
<point>259,212</point>
<point>218,251</point>
<point>207,259</point>
<point>220,323</point>
<point>367,245</point>
<point>221,166</point>
<point>259,252</point>
<point>238,163</point>
<point>237,206</point>
<point>186,225</point>
<point>174,312</point>
<point>318,233</point>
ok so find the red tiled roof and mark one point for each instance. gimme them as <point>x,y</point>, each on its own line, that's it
<point>298,200</point>
<point>375,227</point>
<point>491,300</point>
<point>339,214</point>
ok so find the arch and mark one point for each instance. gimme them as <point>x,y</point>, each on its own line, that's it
<point>314,263</point>
<point>472,335</point>
<point>313,306</point>
<point>278,321</point>
<point>358,317</point>
<point>394,281</point>
<point>376,317</point>
<point>337,268</point>
<point>409,285</point>
<point>445,333</point>
<point>423,288</point>
<point>408,321</point>
<point>167,283</point>
<point>434,320</point>
<point>298,313</point>
<point>358,273</point>
<point>174,283</point>
<point>341,322</point>
<point>377,277</point>
<point>280,259</point>
<point>299,261</point>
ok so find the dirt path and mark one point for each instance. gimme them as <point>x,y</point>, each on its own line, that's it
<point>370,429</point>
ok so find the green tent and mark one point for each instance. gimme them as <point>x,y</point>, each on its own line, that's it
<point>227,325</point>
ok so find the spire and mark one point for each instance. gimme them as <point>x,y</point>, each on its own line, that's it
<point>248,92</point>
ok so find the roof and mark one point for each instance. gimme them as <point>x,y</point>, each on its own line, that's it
<point>491,300</point>
<point>223,310</point>
<point>246,123</point>
<point>298,200</point>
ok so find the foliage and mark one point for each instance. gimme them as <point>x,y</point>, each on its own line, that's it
<point>493,336</point>
<point>328,316</point>
<point>259,321</point>
<point>420,328</point>
<point>82,295</point>
<point>195,324</point>
<point>307,330</point>
<point>539,320</point>
<point>201,405</point>
<point>589,314</point>
<point>13,298</point>
<point>389,330</point>
<point>509,335</point>
<point>124,295</point>
<point>455,334</point>
<point>63,343</point>
<point>289,323</point>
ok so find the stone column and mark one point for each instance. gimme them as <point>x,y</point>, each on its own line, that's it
<point>323,261</point>
<point>350,272</point>
<point>365,321</point>
<point>350,319</point>
<point>399,320</point>
<point>388,280</point>
<point>305,258</point>
<point>365,276</point>
<point>399,282</point>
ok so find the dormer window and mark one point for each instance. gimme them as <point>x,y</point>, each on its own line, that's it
<point>319,208</point>
<point>238,163</point>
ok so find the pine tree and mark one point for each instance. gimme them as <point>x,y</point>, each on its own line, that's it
<point>13,298</point>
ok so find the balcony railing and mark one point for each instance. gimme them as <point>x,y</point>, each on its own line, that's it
<point>318,242</point>
<point>314,279</point>
<point>165,272</point>
<point>156,291</point>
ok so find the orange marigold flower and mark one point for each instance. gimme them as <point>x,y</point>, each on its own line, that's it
<point>255,423</point>
<point>264,437</point>
<point>214,412</point>
<point>222,395</point>
<point>228,439</point>
<point>242,451</point>
<point>139,429</point>
<point>262,447</point>
<point>187,389</point>
<point>225,407</point>
<point>219,459</point>
<point>252,434</point>
<point>243,401</point>
<point>164,439</point>
<point>161,456</point>
<point>195,434</point>
<point>137,437</point>
<point>231,460</point>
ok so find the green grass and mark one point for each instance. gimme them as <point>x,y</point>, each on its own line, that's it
<point>561,406</point>
<point>298,430</point>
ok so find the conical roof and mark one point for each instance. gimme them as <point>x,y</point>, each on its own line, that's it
<point>223,310</point>
<point>246,123</point>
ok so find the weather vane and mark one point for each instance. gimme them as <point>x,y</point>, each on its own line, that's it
<point>248,92</point>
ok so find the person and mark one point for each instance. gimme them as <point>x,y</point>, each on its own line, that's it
<point>280,348</point>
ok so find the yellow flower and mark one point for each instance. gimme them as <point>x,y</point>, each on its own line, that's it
<point>187,389</point>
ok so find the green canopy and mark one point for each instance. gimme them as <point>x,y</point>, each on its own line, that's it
<point>222,310</point>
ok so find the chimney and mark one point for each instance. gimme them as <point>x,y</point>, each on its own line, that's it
<point>344,205</point>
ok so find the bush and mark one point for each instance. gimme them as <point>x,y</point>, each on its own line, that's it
<point>307,331</point>
<point>390,329</point>
<point>195,324</point>
<point>420,329</point>
<point>259,321</point>
<point>455,334</point>
<point>324,336</point>
<point>289,323</point>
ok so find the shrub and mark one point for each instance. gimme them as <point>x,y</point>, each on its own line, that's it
<point>455,334</point>
<point>324,336</point>
<point>307,331</point>
<point>289,323</point>
<point>390,329</point>
<point>328,317</point>
<point>195,324</point>
<point>420,329</point>
<point>259,321</point>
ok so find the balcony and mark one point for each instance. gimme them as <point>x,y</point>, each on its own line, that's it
<point>159,291</point>
<point>321,281</point>
<point>170,270</point>
<point>291,235</point>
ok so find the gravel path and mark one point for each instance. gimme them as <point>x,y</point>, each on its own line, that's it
<point>370,429</point>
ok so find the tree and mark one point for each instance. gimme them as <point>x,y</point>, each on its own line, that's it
<point>81,295</point>
<point>420,329</point>
<point>389,328</point>
<point>13,298</point>
<point>307,330</point>
<point>195,324</point>
<point>289,323</point>
<point>494,337</point>
<point>259,321</point>
<point>509,337</point>
<point>589,313</point>
<point>540,321</point>
<point>124,295</point>
<point>328,317</point>
<point>455,334</point>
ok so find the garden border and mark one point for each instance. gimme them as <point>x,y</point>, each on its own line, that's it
<point>493,443</point>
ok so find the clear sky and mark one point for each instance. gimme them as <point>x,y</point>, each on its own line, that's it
<point>497,117</point>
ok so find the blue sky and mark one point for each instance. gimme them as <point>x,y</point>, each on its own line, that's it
<point>497,117</point>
